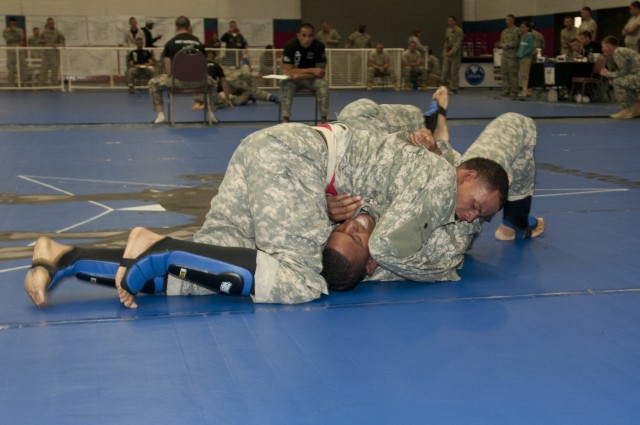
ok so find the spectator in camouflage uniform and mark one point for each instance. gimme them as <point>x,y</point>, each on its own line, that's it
<point>360,39</point>
<point>413,70</point>
<point>626,77</point>
<point>509,43</point>
<point>52,38</point>
<point>304,61</point>
<point>14,37</point>
<point>328,36</point>
<point>433,70</point>
<point>568,33</point>
<point>452,54</point>
<point>379,66</point>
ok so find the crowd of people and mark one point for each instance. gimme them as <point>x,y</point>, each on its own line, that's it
<point>303,59</point>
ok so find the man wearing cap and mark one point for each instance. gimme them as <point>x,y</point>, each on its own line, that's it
<point>149,39</point>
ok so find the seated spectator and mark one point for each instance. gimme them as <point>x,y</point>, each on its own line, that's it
<point>140,65</point>
<point>575,50</point>
<point>589,47</point>
<point>182,39</point>
<point>379,67</point>
<point>304,61</point>
<point>433,70</point>
<point>413,71</point>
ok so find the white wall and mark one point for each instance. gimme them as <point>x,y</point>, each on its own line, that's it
<point>248,9</point>
<point>483,10</point>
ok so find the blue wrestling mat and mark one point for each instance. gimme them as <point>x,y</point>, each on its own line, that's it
<point>536,332</point>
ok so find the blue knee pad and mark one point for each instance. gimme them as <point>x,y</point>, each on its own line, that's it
<point>158,265</point>
<point>93,268</point>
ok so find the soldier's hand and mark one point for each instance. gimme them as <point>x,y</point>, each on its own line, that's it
<point>342,206</point>
<point>424,138</point>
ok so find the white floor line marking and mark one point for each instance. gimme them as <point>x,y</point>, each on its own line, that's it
<point>107,181</point>
<point>578,192</point>
<point>14,269</point>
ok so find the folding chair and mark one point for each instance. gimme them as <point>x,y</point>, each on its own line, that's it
<point>593,80</point>
<point>189,76</point>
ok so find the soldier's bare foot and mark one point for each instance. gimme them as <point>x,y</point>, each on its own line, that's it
<point>442,96</point>
<point>140,239</point>
<point>506,233</point>
<point>36,282</point>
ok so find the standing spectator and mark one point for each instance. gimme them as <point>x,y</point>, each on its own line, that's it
<point>52,38</point>
<point>233,40</point>
<point>140,64</point>
<point>360,39</point>
<point>631,31</point>
<point>588,24</point>
<point>413,70</point>
<point>625,79</point>
<point>214,42</point>
<point>149,39</point>
<point>34,41</point>
<point>182,39</point>
<point>538,40</point>
<point>328,36</point>
<point>132,33</point>
<point>304,61</point>
<point>415,37</point>
<point>452,55</point>
<point>525,51</point>
<point>509,43</point>
<point>14,38</point>
<point>379,66</point>
<point>433,70</point>
<point>568,33</point>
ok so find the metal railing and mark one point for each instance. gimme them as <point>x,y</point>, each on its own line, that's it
<point>104,68</point>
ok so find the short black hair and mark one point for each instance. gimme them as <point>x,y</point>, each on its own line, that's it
<point>611,40</point>
<point>308,26</point>
<point>492,174</point>
<point>183,22</point>
<point>339,273</point>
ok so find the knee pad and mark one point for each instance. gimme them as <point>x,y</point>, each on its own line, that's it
<point>91,270</point>
<point>201,270</point>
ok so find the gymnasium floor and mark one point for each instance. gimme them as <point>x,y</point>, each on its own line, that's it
<point>536,332</point>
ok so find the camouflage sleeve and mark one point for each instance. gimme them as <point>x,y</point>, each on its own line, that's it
<point>365,114</point>
<point>510,141</point>
<point>425,203</point>
<point>272,198</point>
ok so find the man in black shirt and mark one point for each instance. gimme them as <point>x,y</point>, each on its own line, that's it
<point>304,61</point>
<point>140,64</point>
<point>183,39</point>
<point>589,47</point>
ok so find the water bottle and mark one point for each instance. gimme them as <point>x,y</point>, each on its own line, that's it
<point>553,95</point>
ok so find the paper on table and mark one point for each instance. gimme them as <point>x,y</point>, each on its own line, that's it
<point>277,77</point>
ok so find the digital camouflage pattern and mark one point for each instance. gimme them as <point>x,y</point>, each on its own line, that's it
<point>318,85</point>
<point>626,77</point>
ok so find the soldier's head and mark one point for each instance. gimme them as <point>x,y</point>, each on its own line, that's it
<point>510,20</point>
<point>133,23</point>
<point>233,26</point>
<point>585,12</point>
<point>634,8</point>
<point>609,45</point>
<point>346,259</point>
<point>584,37</point>
<point>51,24</point>
<point>182,23</point>
<point>525,27</point>
<point>379,47</point>
<point>139,43</point>
<point>36,31</point>
<point>362,28</point>
<point>483,187</point>
<point>12,22</point>
<point>451,21</point>
<point>412,46</point>
<point>306,35</point>
<point>575,44</point>
<point>324,26</point>
<point>568,22</point>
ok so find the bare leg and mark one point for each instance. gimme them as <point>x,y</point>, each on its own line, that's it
<point>37,280</point>
<point>140,239</point>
